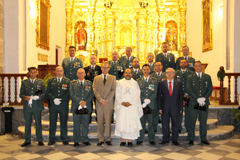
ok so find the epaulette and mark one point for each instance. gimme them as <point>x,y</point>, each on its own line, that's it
<point>153,78</point>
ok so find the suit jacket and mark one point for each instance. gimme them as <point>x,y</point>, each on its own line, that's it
<point>70,68</point>
<point>148,91</point>
<point>183,78</point>
<point>197,88</point>
<point>58,90</point>
<point>90,74</point>
<point>125,61</point>
<point>159,78</point>
<point>117,69</point>
<point>106,91</point>
<point>189,60</point>
<point>29,89</point>
<point>170,104</point>
<point>80,93</point>
<point>137,75</point>
<point>166,62</point>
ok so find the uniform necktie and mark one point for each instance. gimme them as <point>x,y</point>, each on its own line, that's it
<point>58,80</point>
<point>183,72</point>
<point>104,80</point>
<point>146,79</point>
<point>71,59</point>
<point>170,88</point>
<point>81,83</point>
<point>31,81</point>
<point>136,71</point>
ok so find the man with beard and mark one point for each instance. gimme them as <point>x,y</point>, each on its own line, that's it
<point>128,110</point>
<point>181,75</point>
<point>137,72</point>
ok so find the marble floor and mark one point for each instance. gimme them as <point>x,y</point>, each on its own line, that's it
<point>10,149</point>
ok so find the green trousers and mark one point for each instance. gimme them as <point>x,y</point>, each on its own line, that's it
<point>81,127</point>
<point>155,118</point>
<point>186,121</point>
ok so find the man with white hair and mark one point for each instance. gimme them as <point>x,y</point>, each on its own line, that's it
<point>170,105</point>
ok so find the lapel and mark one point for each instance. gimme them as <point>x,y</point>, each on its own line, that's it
<point>35,82</point>
<point>108,80</point>
<point>174,86</point>
<point>30,84</point>
<point>165,83</point>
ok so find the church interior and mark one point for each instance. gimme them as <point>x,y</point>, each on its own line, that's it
<point>39,32</point>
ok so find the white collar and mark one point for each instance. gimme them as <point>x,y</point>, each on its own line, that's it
<point>170,81</point>
<point>200,74</point>
<point>184,70</point>
<point>147,78</point>
<point>135,69</point>
<point>159,73</point>
<point>81,81</point>
<point>32,80</point>
<point>93,66</point>
<point>72,58</point>
<point>103,76</point>
<point>129,57</point>
<point>59,78</point>
<point>150,64</point>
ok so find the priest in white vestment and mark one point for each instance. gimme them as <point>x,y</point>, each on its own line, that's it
<point>128,109</point>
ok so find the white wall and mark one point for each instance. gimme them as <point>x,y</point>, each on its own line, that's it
<point>216,57</point>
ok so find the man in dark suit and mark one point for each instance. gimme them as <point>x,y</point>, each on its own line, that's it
<point>92,71</point>
<point>190,60</point>
<point>71,64</point>
<point>170,105</point>
<point>128,59</point>
<point>58,93</point>
<point>199,88</point>
<point>167,59</point>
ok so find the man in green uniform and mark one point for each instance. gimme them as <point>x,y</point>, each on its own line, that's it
<point>190,60</point>
<point>167,59</point>
<point>128,59</point>
<point>199,89</point>
<point>116,67</point>
<point>81,93</point>
<point>148,87</point>
<point>150,58</point>
<point>160,76</point>
<point>181,75</point>
<point>32,92</point>
<point>58,93</point>
<point>137,72</point>
<point>71,64</point>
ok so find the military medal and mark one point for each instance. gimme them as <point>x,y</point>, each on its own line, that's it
<point>206,84</point>
<point>87,88</point>
<point>151,86</point>
<point>169,59</point>
<point>64,86</point>
<point>118,68</point>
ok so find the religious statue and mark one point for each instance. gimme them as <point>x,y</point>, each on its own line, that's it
<point>81,36</point>
<point>171,38</point>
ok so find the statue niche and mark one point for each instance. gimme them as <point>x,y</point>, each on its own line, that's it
<point>125,36</point>
<point>171,35</point>
<point>80,35</point>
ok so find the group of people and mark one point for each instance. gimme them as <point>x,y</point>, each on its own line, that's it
<point>137,96</point>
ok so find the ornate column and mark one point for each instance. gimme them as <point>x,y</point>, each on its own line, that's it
<point>142,41</point>
<point>109,17</point>
<point>103,37</point>
<point>182,10</point>
<point>69,10</point>
<point>90,38</point>
<point>98,36</point>
<point>160,10</point>
<point>148,35</point>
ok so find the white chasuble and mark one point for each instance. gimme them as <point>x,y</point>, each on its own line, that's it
<point>127,119</point>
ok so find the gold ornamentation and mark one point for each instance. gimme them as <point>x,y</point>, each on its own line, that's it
<point>207,43</point>
<point>43,18</point>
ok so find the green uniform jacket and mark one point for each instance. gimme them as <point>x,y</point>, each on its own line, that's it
<point>29,89</point>
<point>79,93</point>
<point>152,68</point>
<point>166,62</point>
<point>70,68</point>
<point>197,88</point>
<point>148,91</point>
<point>159,78</point>
<point>183,78</point>
<point>138,75</point>
<point>189,60</point>
<point>115,69</point>
<point>125,61</point>
<point>58,90</point>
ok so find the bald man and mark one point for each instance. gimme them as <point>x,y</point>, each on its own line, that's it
<point>58,93</point>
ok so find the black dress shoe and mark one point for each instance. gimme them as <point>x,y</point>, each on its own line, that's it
<point>50,143</point>
<point>76,144</point>
<point>130,144</point>
<point>146,131</point>
<point>40,143</point>
<point>152,143</point>
<point>176,143</point>
<point>187,130</point>
<point>179,131</point>
<point>109,143</point>
<point>138,143</point>
<point>155,131</point>
<point>87,143</point>
<point>164,142</point>
<point>99,143</point>
<point>191,143</point>
<point>123,144</point>
<point>65,143</point>
<point>25,144</point>
<point>205,142</point>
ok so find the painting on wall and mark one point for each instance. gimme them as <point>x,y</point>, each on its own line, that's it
<point>207,41</point>
<point>42,30</point>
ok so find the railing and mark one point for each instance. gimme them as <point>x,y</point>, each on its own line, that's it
<point>10,86</point>
<point>229,102</point>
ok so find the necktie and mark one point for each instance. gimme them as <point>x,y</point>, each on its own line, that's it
<point>104,80</point>
<point>170,88</point>
<point>81,83</point>
<point>183,72</point>
<point>71,59</point>
<point>136,71</point>
<point>58,80</point>
<point>31,81</point>
<point>146,80</point>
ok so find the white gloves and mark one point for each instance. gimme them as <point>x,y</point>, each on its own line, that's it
<point>146,102</point>
<point>80,107</point>
<point>201,101</point>
<point>57,101</point>
<point>31,100</point>
<point>35,98</point>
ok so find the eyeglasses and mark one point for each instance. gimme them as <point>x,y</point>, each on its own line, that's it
<point>105,67</point>
<point>170,72</point>
<point>150,56</point>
